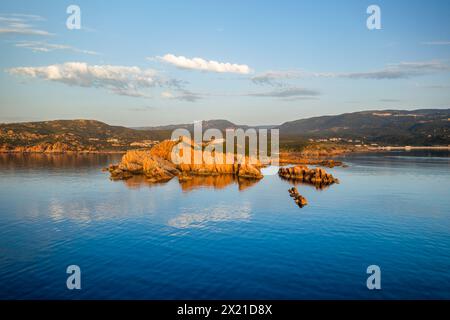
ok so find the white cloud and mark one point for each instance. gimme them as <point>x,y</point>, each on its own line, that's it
<point>279,78</point>
<point>183,95</point>
<point>205,65</point>
<point>273,77</point>
<point>122,80</point>
<point>167,95</point>
<point>402,70</point>
<point>40,46</point>
<point>22,16</point>
<point>21,24</point>
<point>289,93</point>
<point>25,31</point>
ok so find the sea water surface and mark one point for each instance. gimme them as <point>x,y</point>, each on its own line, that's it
<point>219,238</point>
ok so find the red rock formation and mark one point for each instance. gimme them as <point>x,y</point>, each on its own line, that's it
<point>157,164</point>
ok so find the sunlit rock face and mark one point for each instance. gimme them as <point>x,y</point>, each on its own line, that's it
<point>157,164</point>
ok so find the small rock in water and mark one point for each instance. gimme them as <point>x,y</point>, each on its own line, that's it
<point>318,176</point>
<point>298,198</point>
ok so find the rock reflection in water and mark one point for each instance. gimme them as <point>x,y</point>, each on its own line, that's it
<point>296,182</point>
<point>139,181</point>
<point>196,182</point>
<point>216,182</point>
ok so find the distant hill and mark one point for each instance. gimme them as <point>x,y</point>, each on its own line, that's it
<point>385,127</point>
<point>393,127</point>
<point>222,125</point>
<point>217,124</point>
<point>396,127</point>
<point>74,135</point>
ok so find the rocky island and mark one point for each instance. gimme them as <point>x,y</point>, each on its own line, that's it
<point>317,176</point>
<point>157,166</point>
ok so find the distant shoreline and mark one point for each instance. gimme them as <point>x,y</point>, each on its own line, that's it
<point>61,152</point>
<point>374,149</point>
<point>389,148</point>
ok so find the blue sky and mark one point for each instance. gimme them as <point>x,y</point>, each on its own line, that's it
<point>258,62</point>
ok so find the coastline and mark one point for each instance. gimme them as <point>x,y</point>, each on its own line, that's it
<point>319,155</point>
<point>62,152</point>
<point>411,148</point>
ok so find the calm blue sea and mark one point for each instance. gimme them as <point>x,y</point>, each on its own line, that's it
<point>218,238</point>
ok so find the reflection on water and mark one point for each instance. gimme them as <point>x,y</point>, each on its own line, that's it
<point>195,182</point>
<point>297,182</point>
<point>139,181</point>
<point>217,182</point>
<point>219,213</point>
<point>13,161</point>
<point>204,239</point>
<point>400,159</point>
